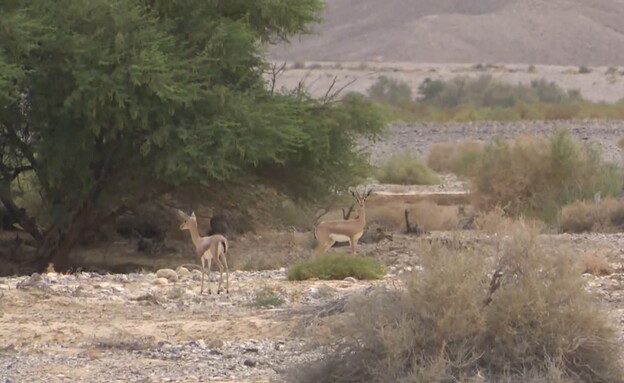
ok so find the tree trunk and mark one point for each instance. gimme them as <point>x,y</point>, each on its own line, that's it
<point>59,255</point>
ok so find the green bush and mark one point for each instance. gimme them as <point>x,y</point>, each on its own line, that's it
<point>406,168</point>
<point>485,91</point>
<point>536,175</point>
<point>538,323</point>
<point>390,91</point>
<point>336,266</point>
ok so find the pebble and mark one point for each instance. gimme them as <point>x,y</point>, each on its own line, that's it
<point>161,281</point>
<point>183,272</point>
<point>169,274</point>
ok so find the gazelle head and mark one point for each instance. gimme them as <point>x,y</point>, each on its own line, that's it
<point>186,219</point>
<point>361,198</point>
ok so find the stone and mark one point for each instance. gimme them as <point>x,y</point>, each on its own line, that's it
<point>169,274</point>
<point>350,279</point>
<point>161,281</point>
<point>183,272</point>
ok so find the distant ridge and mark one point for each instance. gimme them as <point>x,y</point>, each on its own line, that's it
<point>556,32</point>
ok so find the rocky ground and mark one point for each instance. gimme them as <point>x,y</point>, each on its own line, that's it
<point>144,327</point>
<point>603,133</point>
<point>148,327</point>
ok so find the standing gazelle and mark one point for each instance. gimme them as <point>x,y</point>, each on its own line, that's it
<point>329,232</point>
<point>208,248</point>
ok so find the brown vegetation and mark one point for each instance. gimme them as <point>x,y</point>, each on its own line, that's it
<point>589,216</point>
<point>536,175</point>
<point>524,317</point>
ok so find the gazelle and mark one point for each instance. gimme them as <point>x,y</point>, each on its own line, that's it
<point>209,248</point>
<point>329,232</point>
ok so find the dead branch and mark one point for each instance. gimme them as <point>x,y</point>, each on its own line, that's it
<point>411,229</point>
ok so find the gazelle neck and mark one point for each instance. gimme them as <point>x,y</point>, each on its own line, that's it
<point>192,226</point>
<point>361,214</point>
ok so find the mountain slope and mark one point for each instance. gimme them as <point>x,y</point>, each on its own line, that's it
<point>565,32</point>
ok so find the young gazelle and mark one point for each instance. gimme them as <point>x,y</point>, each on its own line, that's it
<point>329,232</point>
<point>208,248</point>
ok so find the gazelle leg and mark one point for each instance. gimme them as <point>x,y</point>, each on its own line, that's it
<point>220,265</point>
<point>227,273</point>
<point>209,259</point>
<point>203,263</point>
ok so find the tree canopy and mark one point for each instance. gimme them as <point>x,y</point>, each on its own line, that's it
<point>110,103</point>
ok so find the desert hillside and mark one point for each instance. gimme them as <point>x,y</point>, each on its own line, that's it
<point>561,32</point>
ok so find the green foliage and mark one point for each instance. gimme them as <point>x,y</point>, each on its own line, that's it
<point>485,91</point>
<point>487,99</point>
<point>113,103</point>
<point>390,91</point>
<point>538,324</point>
<point>536,176</point>
<point>406,168</point>
<point>336,266</point>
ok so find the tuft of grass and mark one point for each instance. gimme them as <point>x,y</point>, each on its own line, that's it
<point>456,322</point>
<point>596,264</point>
<point>266,298</point>
<point>406,168</point>
<point>336,266</point>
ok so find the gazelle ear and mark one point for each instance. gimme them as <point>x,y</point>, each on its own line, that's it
<point>193,215</point>
<point>369,192</point>
<point>182,215</point>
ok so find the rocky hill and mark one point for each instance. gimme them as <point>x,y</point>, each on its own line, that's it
<point>561,32</point>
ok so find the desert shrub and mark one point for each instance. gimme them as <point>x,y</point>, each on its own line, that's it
<point>536,176</point>
<point>406,168</point>
<point>584,69</point>
<point>588,216</point>
<point>456,157</point>
<point>532,69</point>
<point>390,91</point>
<point>536,322</point>
<point>336,266</point>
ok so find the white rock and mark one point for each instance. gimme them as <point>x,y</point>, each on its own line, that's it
<point>161,281</point>
<point>350,279</point>
<point>169,274</point>
<point>183,272</point>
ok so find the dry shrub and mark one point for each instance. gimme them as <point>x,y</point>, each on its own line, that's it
<point>406,168</point>
<point>535,175</point>
<point>596,264</point>
<point>494,221</point>
<point>440,156</point>
<point>427,214</point>
<point>455,157</point>
<point>539,324</point>
<point>588,216</point>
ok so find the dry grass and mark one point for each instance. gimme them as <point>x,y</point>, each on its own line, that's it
<point>449,325</point>
<point>494,221</point>
<point>588,216</point>
<point>596,264</point>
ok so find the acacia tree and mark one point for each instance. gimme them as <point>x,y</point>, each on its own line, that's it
<point>105,104</point>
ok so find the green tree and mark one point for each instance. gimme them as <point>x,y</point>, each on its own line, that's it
<point>110,103</point>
